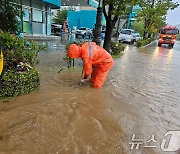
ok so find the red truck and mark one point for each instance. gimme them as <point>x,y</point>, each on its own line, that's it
<point>168,35</point>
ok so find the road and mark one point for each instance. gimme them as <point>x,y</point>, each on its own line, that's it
<point>141,99</point>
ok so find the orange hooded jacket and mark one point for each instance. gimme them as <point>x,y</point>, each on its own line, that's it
<point>99,56</point>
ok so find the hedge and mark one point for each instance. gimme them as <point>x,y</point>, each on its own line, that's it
<point>116,49</point>
<point>15,84</point>
<point>142,42</point>
<point>19,74</point>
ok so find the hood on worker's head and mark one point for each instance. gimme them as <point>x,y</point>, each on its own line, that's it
<point>74,51</point>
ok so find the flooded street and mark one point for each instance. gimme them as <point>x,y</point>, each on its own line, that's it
<point>141,96</point>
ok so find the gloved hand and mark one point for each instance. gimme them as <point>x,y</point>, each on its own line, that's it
<point>82,81</point>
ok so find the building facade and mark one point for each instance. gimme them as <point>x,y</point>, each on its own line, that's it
<point>82,18</point>
<point>85,16</point>
<point>37,16</point>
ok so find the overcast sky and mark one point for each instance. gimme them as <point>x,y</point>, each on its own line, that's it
<point>173,16</point>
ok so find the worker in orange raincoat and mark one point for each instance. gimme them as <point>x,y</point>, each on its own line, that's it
<point>97,62</point>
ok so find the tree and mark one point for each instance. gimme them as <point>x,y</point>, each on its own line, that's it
<point>61,16</point>
<point>138,27</point>
<point>9,14</point>
<point>153,15</point>
<point>113,10</point>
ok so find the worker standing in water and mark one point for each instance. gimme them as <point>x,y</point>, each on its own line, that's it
<point>97,62</point>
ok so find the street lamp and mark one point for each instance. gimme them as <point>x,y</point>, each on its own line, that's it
<point>98,25</point>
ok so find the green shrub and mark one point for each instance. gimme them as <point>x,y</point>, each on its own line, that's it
<point>19,75</point>
<point>142,42</point>
<point>17,50</point>
<point>116,49</point>
<point>15,84</point>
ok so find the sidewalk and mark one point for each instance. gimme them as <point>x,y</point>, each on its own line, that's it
<point>41,37</point>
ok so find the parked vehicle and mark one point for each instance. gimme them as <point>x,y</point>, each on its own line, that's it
<point>103,34</point>
<point>56,29</point>
<point>127,35</point>
<point>137,36</point>
<point>168,35</point>
<point>83,32</point>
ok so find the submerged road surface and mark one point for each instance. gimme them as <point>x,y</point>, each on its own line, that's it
<point>140,100</point>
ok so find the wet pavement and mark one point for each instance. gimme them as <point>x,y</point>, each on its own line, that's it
<point>141,96</point>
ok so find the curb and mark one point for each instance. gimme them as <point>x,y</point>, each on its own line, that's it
<point>42,37</point>
<point>149,44</point>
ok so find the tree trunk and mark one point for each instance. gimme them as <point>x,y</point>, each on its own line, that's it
<point>117,30</point>
<point>110,24</point>
<point>107,40</point>
<point>98,26</point>
<point>145,28</point>
<point>149,35</point>
<point>144,35</point>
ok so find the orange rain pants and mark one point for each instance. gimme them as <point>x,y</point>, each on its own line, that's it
<point>99,74</point>
<point>97,61</point>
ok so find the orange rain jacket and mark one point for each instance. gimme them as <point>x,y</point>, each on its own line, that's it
<point>95,57</point>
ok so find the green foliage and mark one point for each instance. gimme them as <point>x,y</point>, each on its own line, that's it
<point>120,7</point>
<point>61,15</point>
<point>9,14</point>
<point>15,50</point>
<point>116,49</point>
<point>68,60</point>
<point>19,75</point>
<point>138,27</point>
<point>15,84</point>
<point>153,15</point>
<point>143,42</point>
<point>11,41</point>
<point>113,10</point>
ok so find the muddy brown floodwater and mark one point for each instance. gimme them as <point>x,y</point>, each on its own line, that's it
<point>141,96</point>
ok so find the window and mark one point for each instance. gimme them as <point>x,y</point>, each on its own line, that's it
<point>127,32</point>
<point>82,28</point>
<point>37,15</point>
<point>169,31</point>
<point>26,15</point>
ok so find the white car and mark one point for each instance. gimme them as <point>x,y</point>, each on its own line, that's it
<point>137,36</point>
<point>83,32</point>
<point>127,35</point>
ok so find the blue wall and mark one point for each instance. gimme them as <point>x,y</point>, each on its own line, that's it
<point>54,2</point>
<point>83,18</point>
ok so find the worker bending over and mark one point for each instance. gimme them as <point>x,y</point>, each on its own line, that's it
<point>97,61</point>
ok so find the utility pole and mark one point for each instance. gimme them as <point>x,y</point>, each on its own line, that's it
<point>98,25</point>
